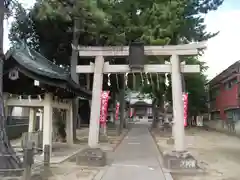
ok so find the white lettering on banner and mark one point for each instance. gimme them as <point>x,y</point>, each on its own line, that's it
<point>185,108</point>
<point>104,106</point>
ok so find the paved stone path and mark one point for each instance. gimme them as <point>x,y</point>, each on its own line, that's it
<point>136,158</point>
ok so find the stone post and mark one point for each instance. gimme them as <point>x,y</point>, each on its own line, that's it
<point>28,160</point>
<point>46,163</point>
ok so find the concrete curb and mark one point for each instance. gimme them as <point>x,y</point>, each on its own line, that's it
<point>66,158</point>
<point>166,173</point>
<point>208,128</point>
<point>123,137</point>
<point>101,173</point>
<point>85,146</point>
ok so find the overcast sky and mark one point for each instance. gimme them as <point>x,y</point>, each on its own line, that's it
<point>222,50</point>
<point>7,23</point>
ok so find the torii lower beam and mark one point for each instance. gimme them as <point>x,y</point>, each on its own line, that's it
<point>153,68</point>
<point>100,67</point>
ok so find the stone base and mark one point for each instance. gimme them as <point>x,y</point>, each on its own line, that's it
<point>11,174</point>
<point>180,161</point>
<point>91,157</point>
<point>112,132</point>
<point>103,138</point>
<point>170,141</point>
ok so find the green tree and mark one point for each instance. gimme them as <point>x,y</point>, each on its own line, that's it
<point>195,86</point>
<point>155,22</point>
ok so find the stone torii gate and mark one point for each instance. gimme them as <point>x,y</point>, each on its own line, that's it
<point>175,68</point>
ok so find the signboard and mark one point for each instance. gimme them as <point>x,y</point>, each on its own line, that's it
<point>185,109</point>
<point>104,107</point>
<point>200,121</point>
<point>117,110</point>
<point>182,164</point>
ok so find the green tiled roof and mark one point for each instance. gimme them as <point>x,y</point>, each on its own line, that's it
<point>38,64</point>
<point>34,61</point>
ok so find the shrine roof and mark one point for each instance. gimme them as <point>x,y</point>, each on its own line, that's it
<point>141,103</point>
<point>35,66</point>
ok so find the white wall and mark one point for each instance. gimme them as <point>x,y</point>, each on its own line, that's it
<point>19,111</point>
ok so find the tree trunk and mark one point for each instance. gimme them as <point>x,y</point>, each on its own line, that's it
<point>74,62</point>
<point>122,109</point>
<point>88,80</point>
<point>75,117</point>
<point>155,114</point>
<point>116,98</point>
<point>8,158</point>
<point>113,107</point>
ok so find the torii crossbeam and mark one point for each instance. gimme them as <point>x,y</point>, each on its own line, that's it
<point>175,68</point>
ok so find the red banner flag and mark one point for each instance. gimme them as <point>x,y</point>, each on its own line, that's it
<point>104,106</point>
<point>185,109</point>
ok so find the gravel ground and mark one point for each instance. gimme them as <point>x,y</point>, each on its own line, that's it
<point>70,171</point>
<point>218,154</point>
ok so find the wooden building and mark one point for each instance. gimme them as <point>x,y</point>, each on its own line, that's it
<point>141,110</point>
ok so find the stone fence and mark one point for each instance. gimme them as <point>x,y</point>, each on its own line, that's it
<point>225,126</point>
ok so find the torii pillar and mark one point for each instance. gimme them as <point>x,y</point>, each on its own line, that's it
<point>178,111</point>
<point>96,102</point>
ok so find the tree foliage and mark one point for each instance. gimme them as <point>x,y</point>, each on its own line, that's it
<point>195,87</point>
<point>47,27</point>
